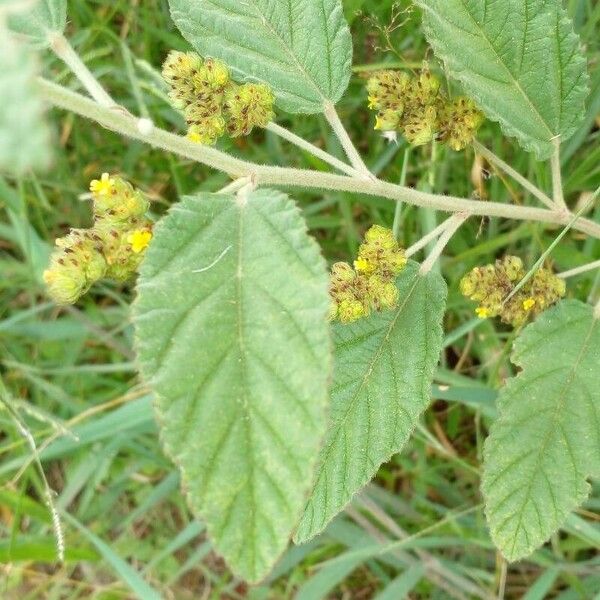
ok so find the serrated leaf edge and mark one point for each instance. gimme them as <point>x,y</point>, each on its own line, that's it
<point>427,392</point>
<point>543,149</point>
<point>160,416</point>
<point>517,349</point>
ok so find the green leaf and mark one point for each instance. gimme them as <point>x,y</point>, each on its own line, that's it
<point>302,49</point>
<point>232,335</point>
<point>38,22</point>
<point>384,367</point>
<point>24,135</point>
<point>520,60</point>
<point>546,440</point>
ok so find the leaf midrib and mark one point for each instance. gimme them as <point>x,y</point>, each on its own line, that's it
<point>562,396</point>
<point>245,403</point>
<point>290,52</point>
<point>511,76</point>
<point>355,396</point>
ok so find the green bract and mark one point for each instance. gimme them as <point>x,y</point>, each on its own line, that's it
<point>382,380</point>
<point>301,49</point>
<point>231,324</point>
<point>546,440</point>
<point>519,59</point>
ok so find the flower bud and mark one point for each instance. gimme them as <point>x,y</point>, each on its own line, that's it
<point>247,106</point>
<point>116,200</point>
<point>351,310</point>
<point>76,263</point>
<point>386,91</point>
<point>459,122</point>
<point>207,131</point>
<point>421,127</point>
<point>179,70</point>
<point>492,287</point>
<point>380,254</point>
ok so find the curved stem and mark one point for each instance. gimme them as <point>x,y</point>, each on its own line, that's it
<point>123,122</point>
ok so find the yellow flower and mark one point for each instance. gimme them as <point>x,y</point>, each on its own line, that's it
<point>103,186</point>
<point>361,264</point>
<point>482,312</point>
<point>528,304</point>
<point>194,136</point>
<point>139,240</point>
<point>373,102</point>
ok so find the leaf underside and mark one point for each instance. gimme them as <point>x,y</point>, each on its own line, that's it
<point>24,134</point>
<point>520,60</point>
<point>301,48</point>
<point>384,367</point>
<point>232,335</point>
<point>546,440</point>
<point>37,22</point>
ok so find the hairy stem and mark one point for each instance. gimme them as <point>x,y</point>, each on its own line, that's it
<point>314,150</point>
<point>452,225</point>
<point>525,183</point>
<point>579,270</point>
<point>398,211</point>
<point>61,47</point>
<point>557,189</point>
<point>341,133</point>
<point>427,238</point>
<point>126,124</point>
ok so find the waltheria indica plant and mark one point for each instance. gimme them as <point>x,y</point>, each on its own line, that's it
<point>281,385</point>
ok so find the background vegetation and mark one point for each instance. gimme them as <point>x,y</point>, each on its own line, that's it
<point>418,531</point>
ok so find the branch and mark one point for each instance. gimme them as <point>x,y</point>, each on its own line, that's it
<point>432,235</point>
<point>121,121</point>
<point>341,133</point>
<point>126,124</point>
<point>579,270</point>
<point>61,47</point>
<point>314,150</point>
<point>498,162</point>
<point>452,225</point>
<point>557,189</point>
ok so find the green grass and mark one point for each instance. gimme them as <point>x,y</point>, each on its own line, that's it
<point>418,531</point>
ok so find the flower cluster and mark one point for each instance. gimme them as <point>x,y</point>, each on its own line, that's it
<point>491,285</point>
<point>417,107</point>
<point>370,285</point>
<point>212,103</point>
<point>112,248</point>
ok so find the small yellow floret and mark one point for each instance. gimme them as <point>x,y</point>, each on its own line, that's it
<point>102,186</point>
<point>482,312</point>
<point>528,304</point>
<point>361,264</point>
<point>139,240</point>
<point>194,136</point>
